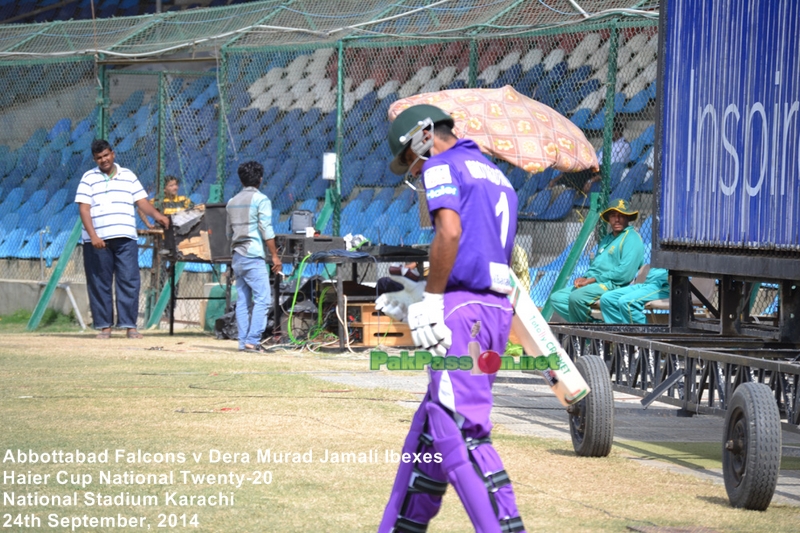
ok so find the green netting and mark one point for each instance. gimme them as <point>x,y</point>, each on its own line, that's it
<point>302,22</point>
<point>196,93</point>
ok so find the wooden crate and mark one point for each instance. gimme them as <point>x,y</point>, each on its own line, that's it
<point>366,313</point>
<point>375,328</point>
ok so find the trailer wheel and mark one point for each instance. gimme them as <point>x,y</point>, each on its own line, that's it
<point>751,447</point>
<point>591,420</point>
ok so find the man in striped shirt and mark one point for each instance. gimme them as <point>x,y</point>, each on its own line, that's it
<point>249,228</point>
<point>106,197</point>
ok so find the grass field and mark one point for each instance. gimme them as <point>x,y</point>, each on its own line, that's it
<point>195,398</point>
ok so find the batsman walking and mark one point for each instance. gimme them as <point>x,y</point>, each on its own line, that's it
<point>473,208</point>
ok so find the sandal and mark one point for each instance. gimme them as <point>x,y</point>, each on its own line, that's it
<point>254,348</point>
<point>103,335</point>
<point>133,334</point>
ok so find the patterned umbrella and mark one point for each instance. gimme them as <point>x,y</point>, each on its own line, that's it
<point>512,127</point>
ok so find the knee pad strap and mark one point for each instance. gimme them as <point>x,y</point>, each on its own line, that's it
<point>422,483</point>
<point>496,480</point>
<point>474,443</point>
<point>512,525</point>
<point>404,525</point>
<point>425,438</point>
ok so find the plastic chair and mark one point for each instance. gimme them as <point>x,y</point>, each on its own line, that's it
<point>560,206</point>
<point>539,203</point>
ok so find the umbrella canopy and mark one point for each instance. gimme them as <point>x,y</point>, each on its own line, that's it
<point>512,127</point>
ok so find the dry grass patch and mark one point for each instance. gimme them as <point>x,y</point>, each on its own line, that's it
<point>193,394</point>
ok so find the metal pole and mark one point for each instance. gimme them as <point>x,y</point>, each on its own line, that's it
<point>608,140</point>
<point>78,315</point>
<point>592,217</point>
<point>41,251</point>
<point>52,283</point>
<point>337,190</point>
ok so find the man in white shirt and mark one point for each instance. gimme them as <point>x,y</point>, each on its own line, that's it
<point>106,197</point>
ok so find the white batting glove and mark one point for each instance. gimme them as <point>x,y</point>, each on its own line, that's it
<point>426,320</point>
<point>395,304</point>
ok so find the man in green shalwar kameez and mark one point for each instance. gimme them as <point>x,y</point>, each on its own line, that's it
<point>620,254</point>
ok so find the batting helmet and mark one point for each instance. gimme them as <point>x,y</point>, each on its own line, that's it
<point>408,127</point>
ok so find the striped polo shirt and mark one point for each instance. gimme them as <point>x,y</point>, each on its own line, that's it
<point>112,202</point>
<point>249,222</point>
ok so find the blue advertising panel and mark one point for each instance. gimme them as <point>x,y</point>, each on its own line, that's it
<point>730,125</point>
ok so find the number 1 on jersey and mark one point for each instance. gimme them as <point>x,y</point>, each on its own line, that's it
<point>501,209</point>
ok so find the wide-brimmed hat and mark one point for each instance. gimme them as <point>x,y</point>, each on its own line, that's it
<point>620,205</point>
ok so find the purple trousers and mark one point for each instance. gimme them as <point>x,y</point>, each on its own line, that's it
<point>454,421</point>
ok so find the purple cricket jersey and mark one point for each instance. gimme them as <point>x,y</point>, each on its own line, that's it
<point>464,180</point>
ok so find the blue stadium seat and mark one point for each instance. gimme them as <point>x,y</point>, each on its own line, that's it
<point>538,204</point>
<point>393,235</point>
<point>597,122</point>
<point>637,174</point>
<point>374,171</point>
<point>108,8</point>
<point>540,290</point>
<point>510,76</point>
<point>13,200</point>
<point>558,263</point>
<point>373,211</point>
<point>547,85</point>
<point>531,186</point>
<point>8,161</point>
<point>518,177</point>
<point>27,160</point>
<point>361,200</point>
<point>9,222</point>
<point>276,147</point>
<point>617,169</point>
<point>284,226</point>
<point>309,205</point>
<point>283,174</point>
<point>12,243</point>
<point>56,247</point>
<point>623,190</point>
<point>642,142</point>
<point>56,202</point>
<point>426,236</point>
<point>637,102</point>
<point>384,196</point>
<point>282,202</point>
<point>406,199</point>
<point>83,144</point>
<point>646,183</point>
<point>574,97</point>
<point>80,128</point>
<point>646,230</point>
<point>560,206</point>
<point>62,126</point>
<point>351,175</point>
<point>37,243</point>
<point>195,88</point>
<point>530,79</point>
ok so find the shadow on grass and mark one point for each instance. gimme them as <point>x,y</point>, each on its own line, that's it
<point>715,500</point>
<point>693,455</point>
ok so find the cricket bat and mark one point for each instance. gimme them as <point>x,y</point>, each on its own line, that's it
<point>530,327</point>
